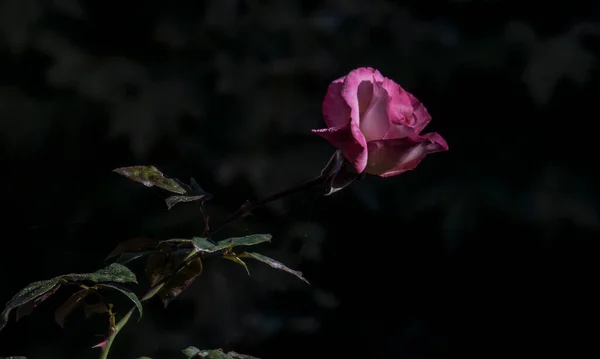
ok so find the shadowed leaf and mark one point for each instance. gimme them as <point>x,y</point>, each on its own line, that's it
<point>180,281</point>
<point>162,264</point>
<point>74,301</point>
<point>132,245</point>
<point>28,307</point>
<point>155,268</point>
<point>237,260</point>
<point>130,257</point>
<point>128,293</point>
<point>150,176</point>
<point>39,291</point>
<point>273,263</point>
<point>95,308</point>
<point>203,245</point>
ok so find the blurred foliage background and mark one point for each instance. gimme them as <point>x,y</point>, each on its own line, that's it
<point>487,248</point>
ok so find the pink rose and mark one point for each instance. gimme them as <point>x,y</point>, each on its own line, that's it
<point>376,124</point>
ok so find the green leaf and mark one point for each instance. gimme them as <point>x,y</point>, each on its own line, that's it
<point>273,263</point>
<point>235,355</point>
<point>173,200</point>
<point>29,297</point>
<point>133,245</point>
<point>203,245</point>
<point>250,240</point>
<point>115,273</point>
<point>74,301</point>
<point>128,293</point>
<point>150,176</point>
<point>190,352</point>
<point>180,281</point>
<point>195,353</point>
<point>237,260</point>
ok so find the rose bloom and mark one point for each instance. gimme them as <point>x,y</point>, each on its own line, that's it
<point>376,124</point>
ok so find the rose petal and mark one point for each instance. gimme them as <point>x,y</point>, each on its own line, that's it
<point>421,116</point>
<point>400,108</point>
<point>350,141</point>
<point>350,90</point>
<point>394,156</point>
<point>374,122</point>
<point>399,131</point>
<point>336,111</point>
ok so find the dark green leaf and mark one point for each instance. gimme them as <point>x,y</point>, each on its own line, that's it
<point>180,281</point>
<point>237,260</point>
<point>273,263</point>
<point>127,293</point>
<point>195,353</point>
<point>250,240</point>
<point>28,307</point>
<point>33,294</point>
<point>203,245</point>
<point>35,291</point>
<point>74,301</point>
<point>130,257</point>
<point>133,245</point>
<point>235,355</point>
<point>115,273</point>
<point>173,200</point>
<point>150,176</point>
<point>190,352</point>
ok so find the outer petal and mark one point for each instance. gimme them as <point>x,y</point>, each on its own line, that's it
<point>374,122</point>
<point>336,111</point>
<point>420,115</point>
<point>404,108</point>
<point>394,156</point>
<point>350,91</point>
<point>350,141</point>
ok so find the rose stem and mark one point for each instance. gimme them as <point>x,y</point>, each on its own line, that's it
<point>249,206</point>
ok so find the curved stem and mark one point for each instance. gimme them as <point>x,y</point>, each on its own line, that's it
<point>247,207</point>
<point>117,329</point>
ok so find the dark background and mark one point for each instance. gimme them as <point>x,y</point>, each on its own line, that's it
<point>488,248</point>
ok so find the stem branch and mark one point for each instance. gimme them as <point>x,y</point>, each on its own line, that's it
<point>117,329</point>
